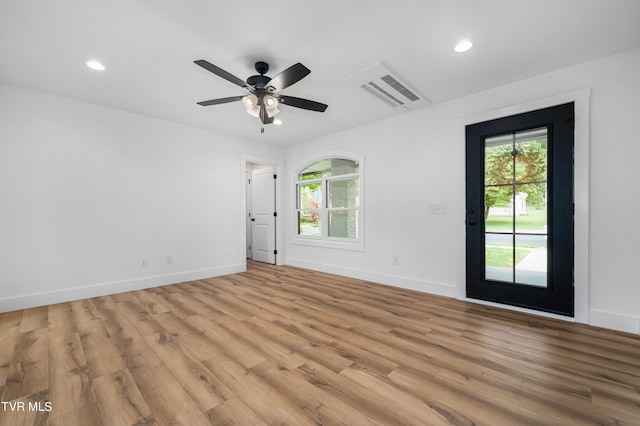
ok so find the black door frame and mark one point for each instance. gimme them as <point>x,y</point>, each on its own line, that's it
<point>558,297</point>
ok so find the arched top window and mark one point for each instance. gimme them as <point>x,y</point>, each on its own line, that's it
<point>328,203</point>
<point>329,167</point>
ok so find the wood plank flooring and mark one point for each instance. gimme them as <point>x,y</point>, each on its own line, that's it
<point>286,346</point>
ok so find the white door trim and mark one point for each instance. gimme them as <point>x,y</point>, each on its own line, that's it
<point>581,187</point>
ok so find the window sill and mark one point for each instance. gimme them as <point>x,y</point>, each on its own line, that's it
<point>333,244</point>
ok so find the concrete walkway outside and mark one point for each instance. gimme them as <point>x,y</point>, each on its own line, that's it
<point>531,270</point>
<point>536,260</point>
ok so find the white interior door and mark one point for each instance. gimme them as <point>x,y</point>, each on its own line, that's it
<point>263,202</point>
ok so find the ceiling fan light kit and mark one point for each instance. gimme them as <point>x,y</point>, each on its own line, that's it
<point>250,103</point>
<point>271,105</point>
<point>264,97</point>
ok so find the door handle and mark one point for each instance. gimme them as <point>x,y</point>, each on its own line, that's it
<point>471,222</point>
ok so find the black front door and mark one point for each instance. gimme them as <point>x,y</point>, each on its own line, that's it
<point>519,183</point>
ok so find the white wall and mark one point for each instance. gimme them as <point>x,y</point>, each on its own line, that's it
<point>87,191</point>
<point>417,159</point>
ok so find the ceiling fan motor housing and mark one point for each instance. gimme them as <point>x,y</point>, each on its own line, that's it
<point>261,80</point>
<point>258,81</point>
<point>262,67</point>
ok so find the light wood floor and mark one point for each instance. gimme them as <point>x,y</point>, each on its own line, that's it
<point>281,345</point>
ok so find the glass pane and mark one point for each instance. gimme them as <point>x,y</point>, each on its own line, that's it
<point>498,160</point>
<point>499,209</point>
<point>310,196</point>
<point>309,223</point>
<point>499,257</point>
<point>531,265</point>
<point>329,167</point>
<point>343,223</point>
<point>531,157</point>
<point>344,193</point>
<point>531,208</point>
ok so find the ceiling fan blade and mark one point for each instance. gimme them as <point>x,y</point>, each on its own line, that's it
<point>221,101</point>
<point>302,103</point>
<point>222,73</point>
<point>290,76</point>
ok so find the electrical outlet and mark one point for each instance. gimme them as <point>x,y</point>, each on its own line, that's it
<point>437,209</point>
<point>395,260</point>
<point>169,259</point>
<point>143,262</point>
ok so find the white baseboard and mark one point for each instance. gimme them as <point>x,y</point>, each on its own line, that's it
<point>83,292</point>
<point>614,321</point>
<point>439,289</point>
<point>596,318</point>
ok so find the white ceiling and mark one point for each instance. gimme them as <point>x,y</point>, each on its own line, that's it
<point>149,46</point>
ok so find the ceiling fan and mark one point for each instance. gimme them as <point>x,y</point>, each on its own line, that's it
<point>264,96</point>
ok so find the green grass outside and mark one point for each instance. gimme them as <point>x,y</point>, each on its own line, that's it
<point>534,220</point>
<point>503,256</point>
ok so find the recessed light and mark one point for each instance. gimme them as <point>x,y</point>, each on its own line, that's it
<point>463,46</point>
<point>95,65</point>
<point>277,122</point>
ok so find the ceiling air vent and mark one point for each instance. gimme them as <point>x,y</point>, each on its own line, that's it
<point>378,80</point>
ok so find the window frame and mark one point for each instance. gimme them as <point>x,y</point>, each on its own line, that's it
<point>324,239</point>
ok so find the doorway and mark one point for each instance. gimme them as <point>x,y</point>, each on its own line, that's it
<point>261,214</point>
<point>519,210</point>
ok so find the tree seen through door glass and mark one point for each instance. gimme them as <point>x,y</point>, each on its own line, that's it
<point>516,207</point>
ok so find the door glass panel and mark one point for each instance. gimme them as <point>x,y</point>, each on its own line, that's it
<point>498,161</point>
<point>499,258</point>
<point>516,214</point>
<point>531,208</point>
<point>531,156</point>
<point>531,266</point>
<point>499,209</point>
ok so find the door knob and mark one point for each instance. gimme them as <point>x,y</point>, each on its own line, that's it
<point>471,221</point>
